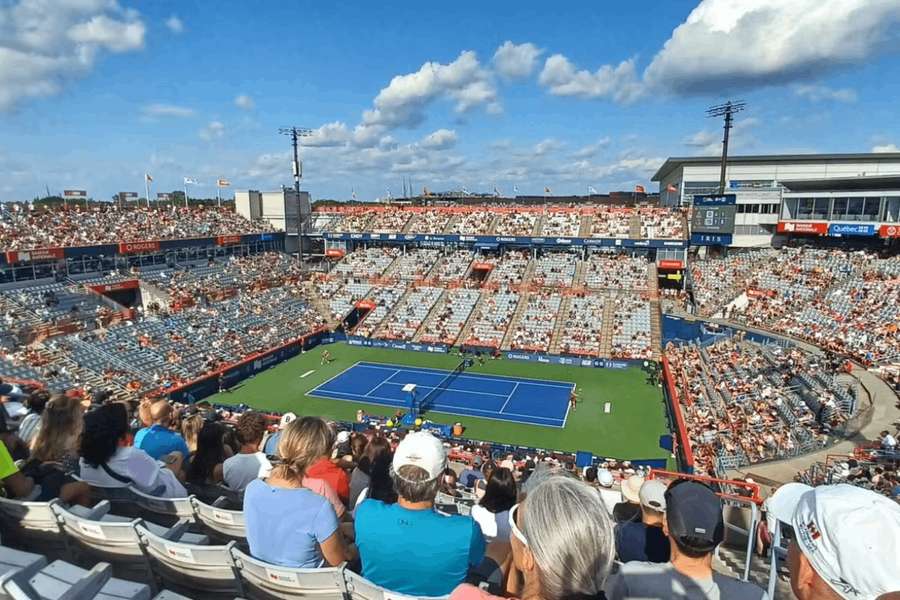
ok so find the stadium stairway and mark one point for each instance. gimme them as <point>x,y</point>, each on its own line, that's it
<point>656,329</point>
<point>560,321</point>
<point>435,309</point>
<point>609,309</point>
<point>448,228</point>
<point>400,303</point>
<point>529,271</point>
<point>392,268</point>
<point>538,225</point>
<point>517,316</point>
<point>473,316</point>
<point>585,229</point>
<point>731,560</point>
<point>315,299</point>
<point>578,279</point>
<point>634,227</point>
<point>409,224</point>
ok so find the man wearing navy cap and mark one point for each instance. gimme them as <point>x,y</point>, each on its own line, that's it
<point>694,526</point>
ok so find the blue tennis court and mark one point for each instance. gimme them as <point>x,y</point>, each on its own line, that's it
<point>532,401</point>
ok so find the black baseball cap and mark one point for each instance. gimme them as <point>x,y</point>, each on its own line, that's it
<point>694,515</point>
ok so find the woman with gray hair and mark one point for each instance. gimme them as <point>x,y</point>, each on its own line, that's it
<point>562,544</point>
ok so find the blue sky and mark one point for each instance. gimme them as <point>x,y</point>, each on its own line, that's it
<point>471,95</point>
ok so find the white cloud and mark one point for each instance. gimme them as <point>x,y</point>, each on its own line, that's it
<point>402,103</point>
<point>330,134</point>
<point>619,83</point>
<point>166,110</point>
<point>546,146</point>
<point>818,93</point>
<point>44,45</point>
<point>244,102</point>
<point>516,61</point>
<point>175,24</point>
<point>734,44</point>
<point>591,149</point>
<point>440,139</point>
<point>214,130</point>
<point>709,142</point>
<point>883,148</point>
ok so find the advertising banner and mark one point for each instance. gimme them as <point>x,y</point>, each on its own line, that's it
<point>889,231</point>
<point>228,240</point>
<point>814,227</point>
<point>852,229</point>
<point>138,247</point>
<point>15,256</point>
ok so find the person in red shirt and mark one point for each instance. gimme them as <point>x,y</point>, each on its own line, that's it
<point>332,474</point>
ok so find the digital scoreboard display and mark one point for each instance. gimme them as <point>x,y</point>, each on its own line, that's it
<point>714,214</point>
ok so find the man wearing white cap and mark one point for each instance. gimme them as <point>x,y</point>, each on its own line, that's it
<point>270,446</point>
<point>644,540</point>
<point>407,547</point>
<point>846,541</point>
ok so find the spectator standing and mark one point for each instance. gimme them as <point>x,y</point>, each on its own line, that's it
<point>644,540</point>
<point>249,463</point>
<point>492,511</point>
<point>325,469</point>
<point>408,547</point>
<point>846,541</point>
<point>694,526</point>
<point>108,459</point>
<point>158,440</point>
<point>561,543</point>
<point>306,530</point>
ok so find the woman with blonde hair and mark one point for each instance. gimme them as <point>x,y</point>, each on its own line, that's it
<point>306,531</point>
<point>191,424</point>
<point>54,451</point>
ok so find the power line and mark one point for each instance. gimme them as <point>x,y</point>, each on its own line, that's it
<point>727,110</point>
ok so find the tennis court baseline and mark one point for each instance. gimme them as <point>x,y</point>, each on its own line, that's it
<point>532,401</point>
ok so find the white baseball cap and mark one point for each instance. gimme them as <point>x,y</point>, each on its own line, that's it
<point>286,419</point>
<point>604,477</point>
<point>423,450</point>
<point>631,489</point>
<point>653,495</point>
<point>850,536</point>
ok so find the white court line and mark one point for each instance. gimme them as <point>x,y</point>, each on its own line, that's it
<point>330,379</point>
<point>446,389</point>
<point>379,384</point>
<point>476,377</point>
<point>568,406</point>
<point>453,410</point>
<point>308,373</point>
<point>508,398</point>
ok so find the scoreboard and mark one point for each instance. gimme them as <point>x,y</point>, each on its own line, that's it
<point>714,214</point>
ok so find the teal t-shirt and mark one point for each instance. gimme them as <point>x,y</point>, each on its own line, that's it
<point>416,552</point>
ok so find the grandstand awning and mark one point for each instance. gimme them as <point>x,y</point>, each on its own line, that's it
<point>486,246</point>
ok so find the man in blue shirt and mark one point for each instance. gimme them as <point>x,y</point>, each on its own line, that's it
<point>407,547</point>
<point>158,440</point>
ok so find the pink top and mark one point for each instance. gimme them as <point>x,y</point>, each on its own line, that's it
<point>465,591</point>
<point>321,487</point>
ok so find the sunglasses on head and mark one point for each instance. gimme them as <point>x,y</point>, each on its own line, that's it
<point>514,528</point>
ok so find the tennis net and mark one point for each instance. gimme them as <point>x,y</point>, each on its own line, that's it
<point>427,401</point>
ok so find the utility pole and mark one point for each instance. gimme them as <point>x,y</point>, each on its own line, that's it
<point>295,133</point>
<point>727,110</point>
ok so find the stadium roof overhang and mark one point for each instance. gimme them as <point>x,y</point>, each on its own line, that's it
<point>676,162</point>
<point>844,184</point>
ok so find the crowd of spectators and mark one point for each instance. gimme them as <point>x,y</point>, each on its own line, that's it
<point>509,269</point>
<point>447,322</point>
<point>582,327</point>
<point>79,226</point>
<point>611,223</point>
<point>492,318</point>
<point>404,321</point>
<point>389,221</point>
<point>385,299</point>
<point>453,266</point>
<point>478,222</point>
<point>744,402</point>
<point>521,224</point>
<point>534,329</point>
<point>616,271</point>
<point>430,222</point>
<point>415,263</point>
<point>366,263</point>
<point>561,224</point>
<point>659,223</point>
<point>847,302</point>
<point>555,269</point>
<point>631,327</point>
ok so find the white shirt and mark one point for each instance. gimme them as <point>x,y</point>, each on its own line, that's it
<point>146,474</point>
<point>889,442</point>
<point>29,427</point>
<point>241,469</point>
<point>494,526</point>
<point>610,498</point>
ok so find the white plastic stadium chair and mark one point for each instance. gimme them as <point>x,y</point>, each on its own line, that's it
<point>360,588</point>
<point>165,511</point>
<point>220,523</point>
<point>190,567</point>
<point>262,581</point>
<point>35,524</point>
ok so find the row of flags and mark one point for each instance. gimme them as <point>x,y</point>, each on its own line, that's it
<point>222,183</point>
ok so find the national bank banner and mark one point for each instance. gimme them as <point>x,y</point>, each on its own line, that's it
<point>557,242</point>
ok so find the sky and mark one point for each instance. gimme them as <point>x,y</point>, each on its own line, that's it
<point>483,96</point>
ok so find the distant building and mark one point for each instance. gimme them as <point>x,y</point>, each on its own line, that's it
<point>280,209</point>
<point>780,196</point>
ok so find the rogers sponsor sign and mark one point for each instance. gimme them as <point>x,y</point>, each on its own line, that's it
<point>889,231</point>
<point>228,240</point>
<point>136,247</point>
<point>671,264</point>
<point>802,227</point>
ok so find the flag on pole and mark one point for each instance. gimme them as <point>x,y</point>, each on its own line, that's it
<point>223,183</point>
<point>547,190</point>
<point>592,189</point>
<point>672,188</point>
<point>639,189</point>
<point>353,194</point>
<point>147,177</point>
<point>188,180</point>
<point>515,189</point>
<point>497,191</point>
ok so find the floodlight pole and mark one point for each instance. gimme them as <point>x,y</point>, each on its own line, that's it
<point>295,133</point>
<point>728,111</point>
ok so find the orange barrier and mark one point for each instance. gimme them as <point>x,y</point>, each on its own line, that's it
<point>684,442</point>
<point>752,489</point>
